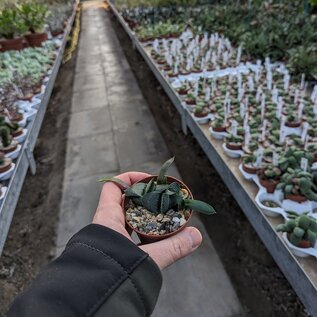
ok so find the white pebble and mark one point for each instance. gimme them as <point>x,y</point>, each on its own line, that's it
<point>176,219</point>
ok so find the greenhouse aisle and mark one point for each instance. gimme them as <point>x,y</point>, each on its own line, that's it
<point>111,131</point>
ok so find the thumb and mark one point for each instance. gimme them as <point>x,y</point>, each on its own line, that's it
<point>168,251</point>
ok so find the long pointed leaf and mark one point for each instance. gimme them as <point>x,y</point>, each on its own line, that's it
<point>161,179</point>
<point>199,206</point>
<point>116,181</point>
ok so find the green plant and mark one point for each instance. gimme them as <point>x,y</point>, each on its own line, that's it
<point>298,182</point>
<point>34,15</point>
<point>230,138</point>
<point>300,228</point>
<point>158,196</point>
<point>292,158</point>
<point>270,172</point>
<point>5,136</point>
<point>11,23</point>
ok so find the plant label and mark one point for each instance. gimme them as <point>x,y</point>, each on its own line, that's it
<point>275,159</point>
<point>304,131</point>
<point>234,127</point>
<point>304,164</point>
<point>259,157</point>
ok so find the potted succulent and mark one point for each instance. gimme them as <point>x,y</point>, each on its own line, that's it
<point>5,163</point>
<point>158,206</point>
<point>269,177</point>
<point>298,185</point>
<point>34,15</point>
<point>292,120</point>
<point>248,164</point>
<point>12,28</point>
<point>301,230</point>
<point>190,99</point>
<point>8,144</point>
<point>200,111</point>
<point>234,142</point>
<point>219,125</point>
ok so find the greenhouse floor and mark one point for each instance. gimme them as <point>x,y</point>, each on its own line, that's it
<point>111,131</point>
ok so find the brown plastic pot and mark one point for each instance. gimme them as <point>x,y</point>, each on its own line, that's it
<point>304,244</point>
<point>12,45</point>
<point>270,185</point>
<point>17,132</point>
<point>10,148</point>
<point>293,124</point>
<point>234,146</point>
<point>296,198</point>
<point>149,238</point>
<point>219,129</point>
<point>36,39</point>
<point>201,114</point>
<point>249,169</point>
<point>6,165</point>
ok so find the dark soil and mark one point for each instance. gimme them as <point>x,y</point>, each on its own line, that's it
<point>31,238</point>
<point>260,285</point>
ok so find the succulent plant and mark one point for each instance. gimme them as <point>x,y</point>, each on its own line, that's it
<point>298,182</point>
<point>158,196</point>
<point>299,228</point>
<point>5,136</point>
<point>292,158</point>
<point>270,172</point>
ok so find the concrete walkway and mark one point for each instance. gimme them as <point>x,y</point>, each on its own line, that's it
<point>112,131</point>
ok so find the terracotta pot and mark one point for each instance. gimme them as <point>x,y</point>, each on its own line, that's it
<point>36,39</point>
<point>6,165</point>
<point>219,129</point>
<point>149,238</point>
<point>184,73</point>
<point>296,198</point>
<point>17,132</point>
<point>234,146</point>
<point>17,117</point>
<point>12,147</point>
<point>12,45</point>
<point>304,244</point>
<point>26,98</point>
<point>182,92</point>
<point>190,102</point>
<point>201,115</point>
<point>293,124</point>
<point>249,169</point>
<point>270,185</point>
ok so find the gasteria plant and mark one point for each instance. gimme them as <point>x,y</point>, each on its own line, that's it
<point>302,230</point>
<point>158,196</point>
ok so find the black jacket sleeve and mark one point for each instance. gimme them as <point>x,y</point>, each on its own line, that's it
<point>100,273</point>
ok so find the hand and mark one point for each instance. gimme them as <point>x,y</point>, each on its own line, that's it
<point>165,252</point>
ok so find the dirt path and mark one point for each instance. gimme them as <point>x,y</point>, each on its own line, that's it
<point>32,233</point>
<point>260,285</point>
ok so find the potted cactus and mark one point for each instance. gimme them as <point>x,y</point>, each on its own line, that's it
<point>5,163</point>
<point>248,164</point>
<point>292,120</point>
<point>298,185</point>
<point>301,230</point>
<point>158,206</point>
<point>200,111</point>
<point>219,125</point>
<point>234,142</point>
<point>269,177</point>
<point>8,145</point>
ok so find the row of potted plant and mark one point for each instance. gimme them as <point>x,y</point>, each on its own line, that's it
<point>27,23</point>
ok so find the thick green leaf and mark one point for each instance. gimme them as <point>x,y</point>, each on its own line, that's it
<point>151,201</point>
<point>298,232</point>
<point>116,181</point>
<point>199,206</point>
<point>311,236</point>
<point>161,179</point>
<point>136,190</point>
<point>149,187</point>
<point>165,203</point>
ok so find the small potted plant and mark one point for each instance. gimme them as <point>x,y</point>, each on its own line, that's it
<point>158,206</point>
<point>190,99</point>
<point>269,177</point>
<point>301,230</point>
<point>5,163</point>
<point>292,120</point>
<point>234,142</point>
<point>34,15</point>
<point>200,111</point>
<point>248,164</point>
<point>8,144</point>
<point>298,185</point>
<point>219,125</point>
<point>12,28</point>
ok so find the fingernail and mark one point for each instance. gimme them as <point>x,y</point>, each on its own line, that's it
<point>196,238</point>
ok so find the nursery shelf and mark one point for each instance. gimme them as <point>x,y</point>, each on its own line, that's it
<point>301,273</point>
<point>25,159</point>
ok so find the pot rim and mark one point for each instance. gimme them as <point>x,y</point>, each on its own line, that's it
<point>170,179</point>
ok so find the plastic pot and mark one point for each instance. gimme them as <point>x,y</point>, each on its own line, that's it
<point>36,39</point>
<point>149,238</point>
<point>12,45</point>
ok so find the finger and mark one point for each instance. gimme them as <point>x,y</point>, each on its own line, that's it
<point>168,251</point>
<point>112,192</point>
<point>109,210</point>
